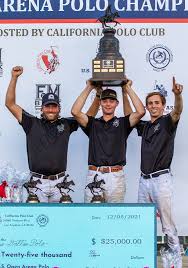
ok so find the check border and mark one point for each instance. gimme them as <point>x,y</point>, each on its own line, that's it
<point>93,205</point>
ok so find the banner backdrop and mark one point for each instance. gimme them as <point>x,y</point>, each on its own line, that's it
<point>154,52</point>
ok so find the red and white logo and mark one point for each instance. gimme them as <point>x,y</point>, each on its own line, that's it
<point>48,60</point>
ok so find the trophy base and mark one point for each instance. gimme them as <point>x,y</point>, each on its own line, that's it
<point>108,83</point>
<point>98,199</point>
<point>65,199</point>
<point>32,198</point>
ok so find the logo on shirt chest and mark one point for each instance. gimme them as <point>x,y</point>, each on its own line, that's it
<point>60,128</point>
<point>156,128</point>
<point>116,123</point>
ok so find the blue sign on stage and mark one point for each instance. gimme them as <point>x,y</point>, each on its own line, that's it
<point>77,236</point>
<point>87,9</point>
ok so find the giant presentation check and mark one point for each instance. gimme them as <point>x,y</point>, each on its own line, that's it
<point>77,236</point>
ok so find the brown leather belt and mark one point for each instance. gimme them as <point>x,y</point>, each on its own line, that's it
<point>50,177</point>
<point>106,169</point>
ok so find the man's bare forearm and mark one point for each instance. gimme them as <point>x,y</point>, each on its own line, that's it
<point>138,105</point>
<point>76,110</point>
<point>11,93</point>
<point>80,101</point>
<point>94,108</point>
<point>178,102</point>
<point>126,104</point>
<point>10,100</point>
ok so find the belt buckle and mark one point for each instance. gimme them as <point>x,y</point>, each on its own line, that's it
<point>146,177</point>
<point>106,170</point>
<point>62,174</point>
<point>51,177</point>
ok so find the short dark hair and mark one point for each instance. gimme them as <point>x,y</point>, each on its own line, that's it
<point>163,99</point>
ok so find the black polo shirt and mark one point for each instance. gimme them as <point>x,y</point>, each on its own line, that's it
<point>157,143</point>
<point>47,143</point>
<point>107,140</point>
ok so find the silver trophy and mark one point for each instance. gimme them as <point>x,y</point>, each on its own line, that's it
<point>97,190</point>
<point>65,197</point>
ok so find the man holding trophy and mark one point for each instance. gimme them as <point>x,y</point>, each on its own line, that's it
<point>108,134</point>
<point>107,140</point>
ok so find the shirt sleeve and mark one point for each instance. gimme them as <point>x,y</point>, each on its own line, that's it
<point>27,121</point>
<point>87,129</point>
<point>169,124</point>
<point>73,124</point>
<point>140,127</point>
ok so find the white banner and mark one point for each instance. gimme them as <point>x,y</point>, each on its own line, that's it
<point>71,48</point>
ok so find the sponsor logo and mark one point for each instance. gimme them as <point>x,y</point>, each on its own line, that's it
<point>51,97</point>
<point>42,89</point>
<point>85,70</point>
<point>48,60</point>
<point>169,108</point>
<point>1,64</point>
<point>160,88</point>
<point>159,57</point>
<point>42,220</point>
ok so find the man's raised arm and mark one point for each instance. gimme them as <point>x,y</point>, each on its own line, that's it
<point>76,110</point>
<point>126,103</point>
<point>10,100</point>
<point>138,105</point>
<point>178,103</point>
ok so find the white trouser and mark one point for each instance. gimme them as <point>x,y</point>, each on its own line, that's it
<point>114,187</point>
<point>48,193</point>
<point>159,190</point>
